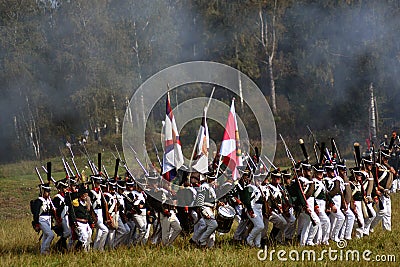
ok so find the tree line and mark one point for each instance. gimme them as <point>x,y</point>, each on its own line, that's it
<point>70,66</point>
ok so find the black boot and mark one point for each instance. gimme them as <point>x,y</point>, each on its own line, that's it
<point>273,234</point>
<point>78,245</point>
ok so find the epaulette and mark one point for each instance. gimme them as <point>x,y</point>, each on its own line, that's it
<point>75,202</point>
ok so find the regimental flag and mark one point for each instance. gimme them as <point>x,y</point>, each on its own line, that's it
<point>203,144</point>
<point>173,157</point>
<point>230,147</point>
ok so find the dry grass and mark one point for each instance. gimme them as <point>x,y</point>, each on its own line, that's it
<point>19,243</point>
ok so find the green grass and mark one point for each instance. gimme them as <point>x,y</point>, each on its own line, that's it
<point>19,244</point>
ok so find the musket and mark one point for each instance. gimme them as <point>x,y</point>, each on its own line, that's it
<point>40,179</point>
<point>376,175</point>
<point>65,168</point>
<point>357,154</point>
<point>357,159</point>
<point>105,172</point>
<point>68,169</point>
<point>51,179</point>
<point>74,164</point>
<point>90,162</point>
<point>119,156</point>
<point>156,150</point>
<point>38,174</point>
<point>394,136</point>
<point>146,173</point>
<point>321,158</point>
<point>343,203</point>
<point>315,145</point>
<point>270,162</point>
<point>45,170</point>
<point>289,155</point>
<point>116,168</point>
<point>335,150</point>
<point>99,162</point>
<point>303,149</point>
<point>257,154</point>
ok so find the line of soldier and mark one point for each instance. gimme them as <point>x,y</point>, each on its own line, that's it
<point>311,206</point>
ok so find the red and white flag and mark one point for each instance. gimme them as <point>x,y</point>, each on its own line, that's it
<point>203,144</point>
<point>173,157</point>
<point>230,148</point>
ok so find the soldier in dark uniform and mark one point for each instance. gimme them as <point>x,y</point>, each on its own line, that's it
<point>84,222</point>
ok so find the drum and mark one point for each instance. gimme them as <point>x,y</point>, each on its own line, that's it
<point>225,217</point>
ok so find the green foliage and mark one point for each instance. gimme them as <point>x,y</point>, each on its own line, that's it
<point>60,65</point>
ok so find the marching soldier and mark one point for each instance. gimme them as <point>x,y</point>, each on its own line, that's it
<point>347,228</point>
<point>239,194</point>
<point>129,209</point>
<point>358,191</point>
<point>335,188</point>
<point>98,206</point>
<point>276,200</point>
<point>288,211</point>
<point>139,215</point>
<point>206,201</point>
<point>42,209</point>
<point>84,221</point>
<point>370,192</point>
<point>253,202</point>
<point>385,180</point>
<point>112,205</point>
<point>122,234</point>
<point>305,226</point>
<point>170,225</point>
<point>321,200</point>
<point>62,212</point>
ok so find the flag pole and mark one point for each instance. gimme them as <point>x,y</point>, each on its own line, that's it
<point>197,137</point>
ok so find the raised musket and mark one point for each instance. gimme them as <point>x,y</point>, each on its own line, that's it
<point>303,149</point>
<point>289,155</point>
<point>315,145</point>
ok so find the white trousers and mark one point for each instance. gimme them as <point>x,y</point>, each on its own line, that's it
<point>347,228</point>
<point>48,235</point>
<point>360,228</point>
<point>337,219</point>
<point>84,234</point>
<point>384,214</point>
<point>102,231</point>
<point>368,221</point>
<point>141,226</point>
<point>254,237</point>
<point>170,228</point>
<point>324,228</point>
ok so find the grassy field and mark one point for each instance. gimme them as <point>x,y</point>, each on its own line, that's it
<point>19,244</point>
